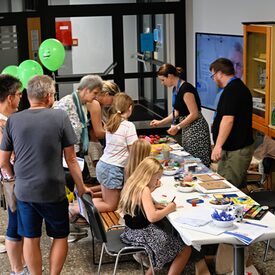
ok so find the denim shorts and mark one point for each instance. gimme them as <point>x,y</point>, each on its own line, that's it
<point>31,215</point>
<point>11,233</point>
<point>110,176</point>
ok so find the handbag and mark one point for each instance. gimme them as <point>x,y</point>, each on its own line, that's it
<point>8,190</point>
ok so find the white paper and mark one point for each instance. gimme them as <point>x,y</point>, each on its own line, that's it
<point>209,228</point>
<point>247,233</point>
<point>180,153</point>
<point>176,146</point>
<point>82,209</point>
<point>194,216</point>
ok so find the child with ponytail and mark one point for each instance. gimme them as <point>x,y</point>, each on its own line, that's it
<point>141,215</point>
<point>120,135</point>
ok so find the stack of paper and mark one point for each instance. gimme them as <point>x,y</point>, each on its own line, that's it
<point>195,216</point>
<point>248,232</point>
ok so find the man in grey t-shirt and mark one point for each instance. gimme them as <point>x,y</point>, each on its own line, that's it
<point>39,137</point>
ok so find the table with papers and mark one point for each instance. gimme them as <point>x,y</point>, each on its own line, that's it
<point>195,225</point>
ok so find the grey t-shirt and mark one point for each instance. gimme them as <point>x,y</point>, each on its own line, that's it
<point>37,137</point>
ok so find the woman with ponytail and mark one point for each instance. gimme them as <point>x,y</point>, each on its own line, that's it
<point>120,135</point>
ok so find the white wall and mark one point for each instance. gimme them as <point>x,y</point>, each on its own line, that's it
<point>221,16</point>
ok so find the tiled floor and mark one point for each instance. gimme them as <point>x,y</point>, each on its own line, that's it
<point>79,259</point>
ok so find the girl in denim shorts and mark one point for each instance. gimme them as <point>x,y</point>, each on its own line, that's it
<point>120,135</point>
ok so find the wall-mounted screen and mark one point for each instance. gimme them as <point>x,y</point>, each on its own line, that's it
<point>209,47</point>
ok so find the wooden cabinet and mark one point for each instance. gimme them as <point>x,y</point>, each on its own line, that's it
<point>259,72</point>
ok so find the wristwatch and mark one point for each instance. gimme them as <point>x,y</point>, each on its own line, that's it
<point>178,127</point>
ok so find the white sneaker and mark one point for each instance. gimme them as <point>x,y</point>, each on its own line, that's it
<point>2,248</point>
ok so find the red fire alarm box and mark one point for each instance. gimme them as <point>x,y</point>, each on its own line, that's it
<point>64,32</point>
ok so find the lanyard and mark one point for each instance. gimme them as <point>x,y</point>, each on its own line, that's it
<point>175,92</point>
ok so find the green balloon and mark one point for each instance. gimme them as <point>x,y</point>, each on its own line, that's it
<point>13,71</point>
<point>27,69</point>
<point>52,54</point>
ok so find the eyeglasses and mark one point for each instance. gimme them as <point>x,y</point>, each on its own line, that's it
<point>18,94</point>
<point>212,75</point>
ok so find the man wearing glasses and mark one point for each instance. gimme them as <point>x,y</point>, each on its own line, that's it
<point>232,126</point>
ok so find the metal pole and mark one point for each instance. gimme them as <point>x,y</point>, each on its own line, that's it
<point>238,259</point>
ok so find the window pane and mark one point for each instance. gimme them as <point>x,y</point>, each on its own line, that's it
<point>148,89</point>
<point>131,88</point>
<point>8,46</point>
<point>130,43</point>
<point>94,52</point>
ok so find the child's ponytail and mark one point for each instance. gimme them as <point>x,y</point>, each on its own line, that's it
<point>121,105</point>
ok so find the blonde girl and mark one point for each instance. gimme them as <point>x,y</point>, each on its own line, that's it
<point>120,135</point>
<point>140,149</point>
<point>140,214</point>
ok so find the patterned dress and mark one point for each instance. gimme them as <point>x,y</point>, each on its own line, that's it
<point>196,140</point>
<point>195,136</point>
<point>163,246</point>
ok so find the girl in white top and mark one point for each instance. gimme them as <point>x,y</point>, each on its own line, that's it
<point>120,135</point>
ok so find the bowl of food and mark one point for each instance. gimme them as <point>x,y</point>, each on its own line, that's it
<point>222,218</point>
<point>220,204</point>
<point>170,170</point>
<point>185,187</point>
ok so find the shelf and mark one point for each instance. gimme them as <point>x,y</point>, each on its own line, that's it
<point>259,109</point>
<point>260,91</point>
<point>259,59</point>
<point>271,126</point>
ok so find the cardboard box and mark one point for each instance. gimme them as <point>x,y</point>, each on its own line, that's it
<point>201,268</point>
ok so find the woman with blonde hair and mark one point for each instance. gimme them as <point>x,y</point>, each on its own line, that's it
<point>140,149</point>
<point>140,214</point>
<point>120,135</point>
<point>99,110</point>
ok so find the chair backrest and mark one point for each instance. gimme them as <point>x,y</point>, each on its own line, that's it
<point>95,221</point>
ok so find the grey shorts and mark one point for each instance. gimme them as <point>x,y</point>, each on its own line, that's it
<point>110,176</point>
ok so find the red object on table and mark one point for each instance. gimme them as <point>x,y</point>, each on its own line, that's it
<point>194,203</point>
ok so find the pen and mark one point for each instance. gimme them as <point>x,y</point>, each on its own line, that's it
<point>252,223</point>
<point>173,199</point>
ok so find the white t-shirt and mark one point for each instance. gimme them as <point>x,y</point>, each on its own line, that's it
<point>116,151</point>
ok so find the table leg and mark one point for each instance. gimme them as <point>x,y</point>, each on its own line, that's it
<point>239,259</point>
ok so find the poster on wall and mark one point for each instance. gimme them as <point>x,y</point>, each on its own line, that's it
<point>209,47</point>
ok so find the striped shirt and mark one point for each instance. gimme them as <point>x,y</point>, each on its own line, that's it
<point>116,151</point>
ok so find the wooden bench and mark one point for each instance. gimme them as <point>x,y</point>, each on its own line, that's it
<point>110,219</point>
